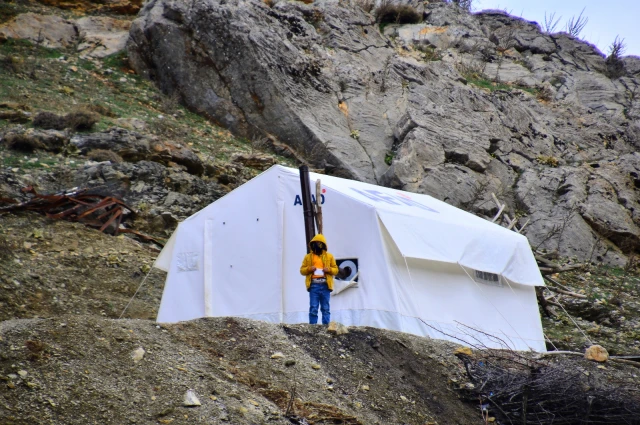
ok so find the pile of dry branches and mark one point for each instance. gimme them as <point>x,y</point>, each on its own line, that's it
<point>516,389</point>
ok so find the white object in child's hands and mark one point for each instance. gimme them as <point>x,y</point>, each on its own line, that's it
<point>318,272</point>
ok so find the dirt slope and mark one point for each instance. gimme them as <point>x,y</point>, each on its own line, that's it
<point>80,370</point>
<point>49,268</point>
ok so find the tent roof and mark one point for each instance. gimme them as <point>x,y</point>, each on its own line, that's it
<point>425,228</point>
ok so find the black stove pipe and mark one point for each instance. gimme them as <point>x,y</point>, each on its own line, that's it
<point>309,227</point>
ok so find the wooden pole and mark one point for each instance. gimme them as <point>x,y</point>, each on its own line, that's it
<point>307,207</point>
<point>319,206</point>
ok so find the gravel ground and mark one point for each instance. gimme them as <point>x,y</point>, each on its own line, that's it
<point>81,370</point>
<point>49,268</point>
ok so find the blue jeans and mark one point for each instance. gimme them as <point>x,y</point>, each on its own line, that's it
<point>319,296</point>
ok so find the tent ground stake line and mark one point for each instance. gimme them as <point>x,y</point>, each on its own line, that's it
<point>135,293</point>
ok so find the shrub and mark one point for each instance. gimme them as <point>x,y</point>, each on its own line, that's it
<point>13,63</point>
<point>49,121</point>
<point>77,121</point>
<point>551,161</point>
<point>545,93</point>
<point>23,142</point>
<point>102,110</point>
<point>101,155</point>
<point>388,13</point>
<point>366,5</point>
<point>429,53</point>
<point>473,69</point>
<point>80,120</point>
<point>615,66</point>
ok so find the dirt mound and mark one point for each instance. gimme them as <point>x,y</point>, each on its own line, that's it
<point>49,268</point>
<point>81,370</point>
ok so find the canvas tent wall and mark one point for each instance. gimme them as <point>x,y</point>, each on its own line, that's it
<point>420,260</point>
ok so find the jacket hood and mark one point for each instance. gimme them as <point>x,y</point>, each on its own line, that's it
<point>320,238</point>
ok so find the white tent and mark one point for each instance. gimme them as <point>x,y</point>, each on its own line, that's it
<point>425,267</point>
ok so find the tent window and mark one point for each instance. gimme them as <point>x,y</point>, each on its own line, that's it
<point>488,278</point>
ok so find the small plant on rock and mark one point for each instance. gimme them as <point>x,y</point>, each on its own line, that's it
<point>388,158</point>
<point>366,5</point>
<point>463,4</point>
<point>575,25</point>
<point>615,66</point>
<point>551,161</point>
<point>550,23</point>
<point>429,53</point>
<point>545,93</point>
<point>355,134</point>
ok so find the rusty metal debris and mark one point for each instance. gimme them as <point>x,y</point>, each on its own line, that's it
<point>81,205</point>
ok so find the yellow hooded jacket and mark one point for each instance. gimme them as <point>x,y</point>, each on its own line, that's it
<point>327,261</point>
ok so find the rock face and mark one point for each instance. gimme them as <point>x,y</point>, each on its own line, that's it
<point>556,140</point>
<point>135,147</point>
<point>95,36</point>
<point>48,30</point>
<point>101,36</point>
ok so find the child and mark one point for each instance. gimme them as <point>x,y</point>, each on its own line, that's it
<point>319,267</point>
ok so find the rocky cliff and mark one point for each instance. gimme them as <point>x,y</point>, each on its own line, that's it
<point>459,106</point>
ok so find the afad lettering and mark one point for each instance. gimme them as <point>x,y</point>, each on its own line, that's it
<point>377,196</point>
<point>298,200</point>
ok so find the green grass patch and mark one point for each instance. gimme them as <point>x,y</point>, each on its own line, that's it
<point>382,26</point>
<point>25,162</point>
<point>488,84</point>
<point>492,86</point>
<point>15,46</point>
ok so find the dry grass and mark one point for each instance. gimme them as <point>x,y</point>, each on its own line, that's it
<point>81,120</point>
<point>49,121</point>
<point>23,143</point>
<point>78,121</point>
<point>388,13</point>
<point>102,110</point>
<point>366,5</point>
<point>101,155</point>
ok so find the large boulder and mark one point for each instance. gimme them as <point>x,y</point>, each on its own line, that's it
<point>47,30</point>
<point>418,109</point>
<point>101,36</point>
<point>309,75</point>
<point>93,36</point>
